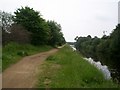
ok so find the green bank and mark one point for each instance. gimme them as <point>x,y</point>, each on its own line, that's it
<point>13,52</point>
<point>67,69</point>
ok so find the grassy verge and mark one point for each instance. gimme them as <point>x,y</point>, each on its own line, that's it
<point>0,58</point>
<point>13,52</point>
<point>67,69</point>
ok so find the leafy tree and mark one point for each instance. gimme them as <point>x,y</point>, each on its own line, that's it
<point>56,36</point>
<point>33,22</point>
<point>115,45</point>
<point>105,49</point>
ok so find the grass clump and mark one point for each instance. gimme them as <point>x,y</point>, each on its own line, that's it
<point>13,52</point>
<point>67,69</point>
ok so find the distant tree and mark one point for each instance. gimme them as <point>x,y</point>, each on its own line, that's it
<point>89,36</point>
<point>76,38</point>
<point>115,45</point>
<point>6,20</point>
<point>105,49</point>
<point>56,36</point>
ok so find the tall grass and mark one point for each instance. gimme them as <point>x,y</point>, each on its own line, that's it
<point>67,69</point>
<point>13,52</point>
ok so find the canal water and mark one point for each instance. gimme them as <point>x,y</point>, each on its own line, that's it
<point>103,68</point>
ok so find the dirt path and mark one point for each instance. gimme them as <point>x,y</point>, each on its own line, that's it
<point>23,74</point>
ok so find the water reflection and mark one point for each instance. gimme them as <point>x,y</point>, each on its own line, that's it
<point>74,49</point>
<point>102,68</point>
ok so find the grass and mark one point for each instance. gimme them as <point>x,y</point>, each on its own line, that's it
<point>0,58</point>
<point>67,69</point>
<point>13,52</point>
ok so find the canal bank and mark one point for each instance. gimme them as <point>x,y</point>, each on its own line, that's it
<point>108,71</point>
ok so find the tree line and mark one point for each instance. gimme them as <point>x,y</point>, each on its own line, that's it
<point>26,22</point>
<point>105,49</point>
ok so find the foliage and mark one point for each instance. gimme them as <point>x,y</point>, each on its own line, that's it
<point>56,36</point>
<point>17,34</point>
<point>105,49</point>
<point>63,71</point>
<point>6,20</point>
<point>42,32</point>
<point>34,23</point>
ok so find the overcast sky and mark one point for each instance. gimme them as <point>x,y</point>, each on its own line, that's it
<point>77,17</point>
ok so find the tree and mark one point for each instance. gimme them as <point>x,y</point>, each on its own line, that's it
<point>6,20</point>
<point>33,22</point>
<point>115,45</point>
<point>105,49</point>
<point>56,36</point>
<point>76,38</point>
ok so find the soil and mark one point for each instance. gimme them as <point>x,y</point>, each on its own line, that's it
<point>24,73</point>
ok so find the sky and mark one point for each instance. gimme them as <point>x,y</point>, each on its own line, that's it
<point>77,17</point>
